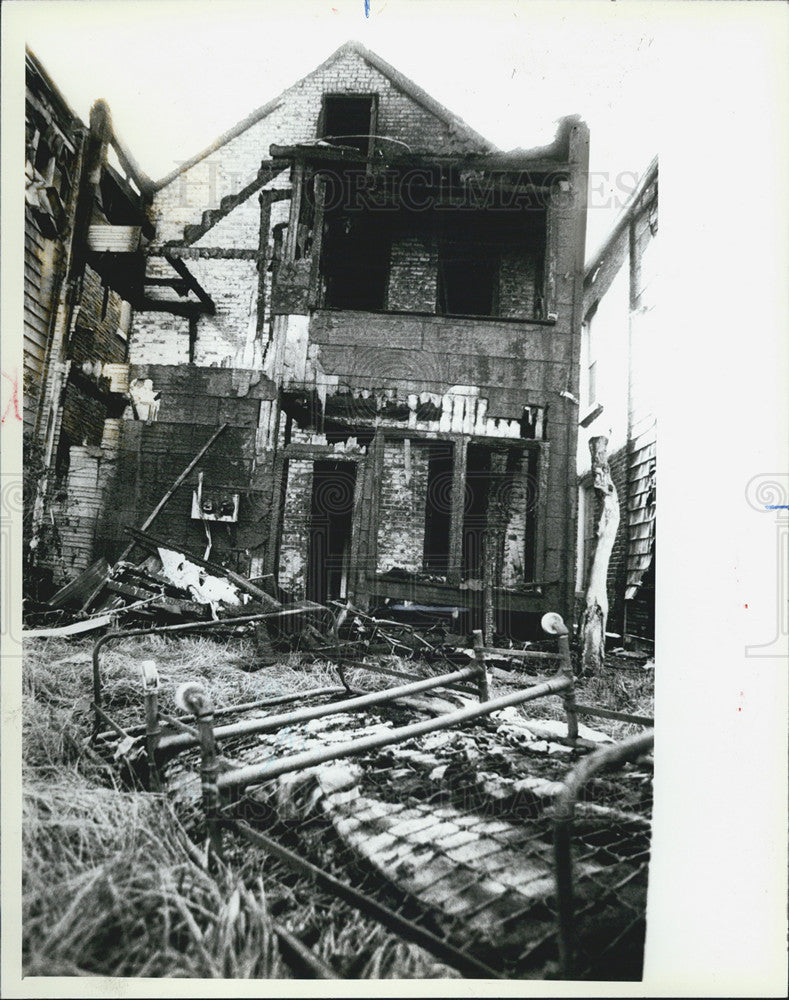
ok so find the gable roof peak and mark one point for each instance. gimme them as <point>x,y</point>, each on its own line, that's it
<point>399,80</point>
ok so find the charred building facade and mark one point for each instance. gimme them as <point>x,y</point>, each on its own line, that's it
<point>386,313</point>
<point>86,221</point>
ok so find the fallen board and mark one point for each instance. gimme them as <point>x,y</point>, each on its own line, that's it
<point>67,630</point>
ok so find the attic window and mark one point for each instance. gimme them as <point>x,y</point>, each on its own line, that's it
<point>43,157</point>
<point>348,120</point>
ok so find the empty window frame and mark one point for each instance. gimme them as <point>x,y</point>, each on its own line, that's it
<point>467,269</point>
<point>491,263</point>
<point>355,261</point>
<point>349,120</point>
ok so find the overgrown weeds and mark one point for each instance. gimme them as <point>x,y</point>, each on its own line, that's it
<point>113,885</point>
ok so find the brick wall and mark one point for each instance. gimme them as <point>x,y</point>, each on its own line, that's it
<point>158,337</point>
<point>294,541</point>
<point>518,283</point>
<point>233,285</point>
<point>413,274</point>
<point>402,505</point>
<point>83,416</point>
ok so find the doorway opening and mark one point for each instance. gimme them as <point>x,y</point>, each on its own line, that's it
<point>475,517</point>
<point>438,507</point>
<point>331,526</point>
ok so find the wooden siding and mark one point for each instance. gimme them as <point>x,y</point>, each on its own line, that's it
<point>41,257</point>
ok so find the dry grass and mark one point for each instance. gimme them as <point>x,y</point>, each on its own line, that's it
<point>113,885</point>
<point>628,691</point>
<point>58,684</point>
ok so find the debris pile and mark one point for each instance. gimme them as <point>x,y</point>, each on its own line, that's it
<point>456,827</point>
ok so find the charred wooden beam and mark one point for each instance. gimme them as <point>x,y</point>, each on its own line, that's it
<point>178,285</point>
<point>187,309</point>
<point>494,162</point>
<point>130,165</point>
<point>192,283</point>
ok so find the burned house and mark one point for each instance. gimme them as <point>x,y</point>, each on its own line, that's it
<point>85,221</point>
<point>385,312</point>
<point>618,341</point>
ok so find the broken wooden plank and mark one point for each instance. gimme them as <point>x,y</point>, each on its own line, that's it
<point>64,631</point>
<point>524,654</point>
<point>159,602</point>
<point>85,583</point>
<point>607,713</point>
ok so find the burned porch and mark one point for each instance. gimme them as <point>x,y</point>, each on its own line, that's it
<point>422,342</point>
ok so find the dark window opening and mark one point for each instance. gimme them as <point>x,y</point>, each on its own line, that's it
<point>355,261</point>
<point>348,120</point>
<point>43,156</point>
<point>438,508</point>
<point>331,524</point>
<point>63,456</point>
<point>118,209</point>
<point>490,263</point>
<point>476,510</point>
<point>466,281</point>
<point>468,267</point>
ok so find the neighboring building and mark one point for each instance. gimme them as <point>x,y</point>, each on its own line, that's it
<point>386,312</point>
<point>617,399</point>
<point>85,222</point>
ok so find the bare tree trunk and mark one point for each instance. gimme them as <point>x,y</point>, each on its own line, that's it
<point>595,614</point>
